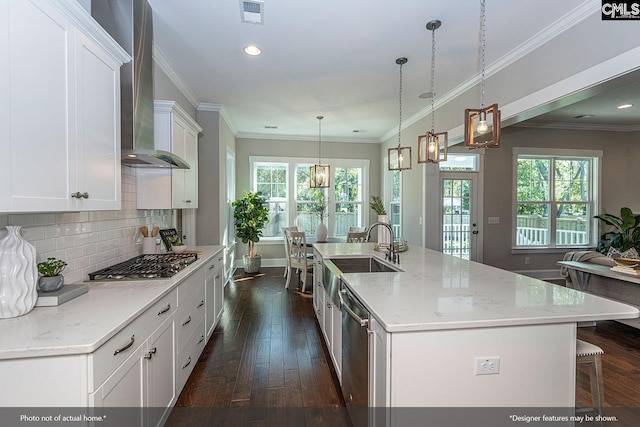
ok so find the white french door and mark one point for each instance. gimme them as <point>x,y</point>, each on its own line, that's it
<point>460,231</point>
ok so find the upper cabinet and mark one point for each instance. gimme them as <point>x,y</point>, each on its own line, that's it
<point>159,188</point>
<point>60,111</point>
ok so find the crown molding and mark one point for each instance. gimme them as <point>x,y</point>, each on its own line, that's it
<point>219,108</point>
<point>579,126</point>
<point>304,138</point>
<point>561,25</point>
<point>164,64</point>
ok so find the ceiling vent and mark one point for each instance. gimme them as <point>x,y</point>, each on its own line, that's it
<point>252,11</point>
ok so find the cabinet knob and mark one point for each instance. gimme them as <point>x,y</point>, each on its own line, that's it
<point>150,353</point>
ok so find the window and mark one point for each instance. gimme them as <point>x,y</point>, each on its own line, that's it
<point>271,180</point>
<point>285,184</point>
<point>393,193</point>
<point>556,198</point>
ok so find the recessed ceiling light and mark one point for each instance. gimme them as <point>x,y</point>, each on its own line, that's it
<point>252,50</point>
<point>623,106</point>
<point>359,131</point>
<point>270,127</point>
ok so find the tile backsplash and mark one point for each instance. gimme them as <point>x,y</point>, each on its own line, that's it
<point>89,241</point>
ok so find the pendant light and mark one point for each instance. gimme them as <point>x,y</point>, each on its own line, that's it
<point>478,121</point>
<point>319,175</point>
<point>432,147</point>
<point>400,157</point>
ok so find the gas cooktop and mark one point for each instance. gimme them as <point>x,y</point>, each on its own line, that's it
<point>144,267</point>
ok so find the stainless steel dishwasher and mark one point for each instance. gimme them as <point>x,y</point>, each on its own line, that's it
<point>355,356</point>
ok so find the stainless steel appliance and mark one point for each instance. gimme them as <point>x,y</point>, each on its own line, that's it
<point>130,23</point>
<point>144,267</point>
<point>355,356</point>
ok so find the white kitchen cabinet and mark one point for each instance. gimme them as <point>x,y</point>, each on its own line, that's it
<point>328,314</point>
<point>158,188</point>
<point>214,293</point>
<point>139,366</point>
<point>59,109</point>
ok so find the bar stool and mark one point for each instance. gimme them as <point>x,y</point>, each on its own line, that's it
<point>592,354</point>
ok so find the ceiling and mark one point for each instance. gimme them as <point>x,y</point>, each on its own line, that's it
<point>337,59</point>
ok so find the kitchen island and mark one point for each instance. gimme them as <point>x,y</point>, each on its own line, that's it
<point>433,324</point>
<point>122,344</point>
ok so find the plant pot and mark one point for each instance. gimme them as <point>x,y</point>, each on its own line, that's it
<point>384,237</point>
<point>252,263</point>
<point>321,232</point>
<point>51,283</point>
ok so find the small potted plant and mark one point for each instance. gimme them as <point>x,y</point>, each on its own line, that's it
<point>50,278</point>
<point>177,245</point>
<point>378,207</point>
<point>250,214</point>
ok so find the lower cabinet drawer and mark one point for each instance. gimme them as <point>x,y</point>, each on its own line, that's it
<point>189,315</point>
<point>104,361</point>
<point>189,355</point>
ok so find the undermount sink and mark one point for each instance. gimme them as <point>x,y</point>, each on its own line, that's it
<point>334,267</point>
<point>362,265</point>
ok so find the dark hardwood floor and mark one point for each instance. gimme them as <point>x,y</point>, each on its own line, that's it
<point>267,365</point>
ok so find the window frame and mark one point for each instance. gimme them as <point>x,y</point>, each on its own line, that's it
<point>295,162</point>
<point>552,154</point>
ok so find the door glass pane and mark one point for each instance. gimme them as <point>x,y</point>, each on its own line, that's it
<point>271,180</point>
<point>456,219</point>
<point>348,195</point>
<point>308,202</point>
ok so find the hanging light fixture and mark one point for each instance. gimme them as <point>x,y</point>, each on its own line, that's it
<point>400,157</point>
<point>319,174</point>
<point>478,121</point>
<point>432,147</point>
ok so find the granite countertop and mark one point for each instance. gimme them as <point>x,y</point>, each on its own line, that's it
<point>436,292</point>
<point>83,324</point>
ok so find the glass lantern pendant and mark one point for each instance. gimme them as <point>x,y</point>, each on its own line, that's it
<point>432,147</point>
<point>399,158</point>
<point>319,174</point>
<point>482,125</point>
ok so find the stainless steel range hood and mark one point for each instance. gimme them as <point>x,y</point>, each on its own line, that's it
<point>130,23</point>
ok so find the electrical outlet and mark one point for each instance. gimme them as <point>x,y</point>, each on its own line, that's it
<point>527,260</point>
<point>487,365</point>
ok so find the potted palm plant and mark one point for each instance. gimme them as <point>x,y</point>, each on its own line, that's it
<point>250,214</point>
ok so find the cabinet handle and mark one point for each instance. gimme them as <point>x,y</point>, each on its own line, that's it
<point>220,259</point>
<point>129,344</point>
<point>212,266</point>
<point>188,363</point>
<point>201,304</point>
<point>217,276</point>
<point>79,195</point>
<point>201,339</point>
<point>164,310</point>
<point>150,353</point>
<point>187,201</point>
<point>186,322</point>
<point>328,305</point>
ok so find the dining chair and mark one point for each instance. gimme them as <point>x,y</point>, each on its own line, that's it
<point>285,230</point>
<point>357,237</point>
<point>354,229</point>
<point>298,259</point>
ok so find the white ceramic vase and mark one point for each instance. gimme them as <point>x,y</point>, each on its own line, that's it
<point>18,274</point>
<point>321,232</point>
<point>384,237</point>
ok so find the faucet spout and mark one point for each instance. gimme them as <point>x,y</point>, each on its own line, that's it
<point>391,255</point>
